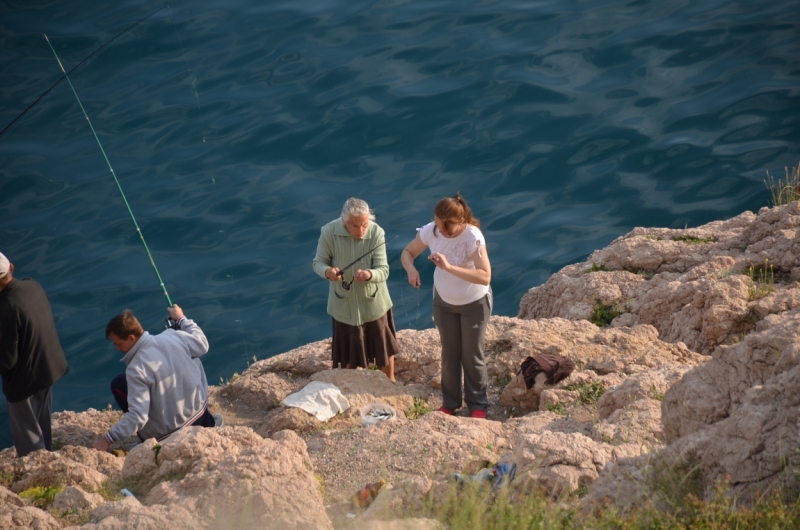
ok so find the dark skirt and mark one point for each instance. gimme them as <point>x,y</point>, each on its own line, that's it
<point>371,343</point>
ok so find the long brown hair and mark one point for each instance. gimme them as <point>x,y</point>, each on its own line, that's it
<point>454,210</point>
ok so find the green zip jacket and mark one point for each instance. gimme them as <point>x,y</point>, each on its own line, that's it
<point>365,301</point>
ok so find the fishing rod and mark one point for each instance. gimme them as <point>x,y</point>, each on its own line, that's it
<point>138,230</point>
<point>345,284</point>
<point>7,127</point>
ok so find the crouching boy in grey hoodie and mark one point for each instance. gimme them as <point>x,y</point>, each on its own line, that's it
<point>164,386</point>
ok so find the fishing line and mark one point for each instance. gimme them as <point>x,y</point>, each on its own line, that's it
<point>138,230</point>
<point>239,320</point>
<point>345,284</point>
<point>76,67</point>
<point>186,61</point>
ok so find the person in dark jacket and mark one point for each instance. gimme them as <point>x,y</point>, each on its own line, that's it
<point>31,359</point>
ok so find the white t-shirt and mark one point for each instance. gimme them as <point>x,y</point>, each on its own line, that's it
<point>458,251</point>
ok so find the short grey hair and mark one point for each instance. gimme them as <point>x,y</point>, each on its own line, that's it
<point>357,207</point>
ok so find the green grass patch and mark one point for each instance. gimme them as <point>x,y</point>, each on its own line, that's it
<point>477,507</point>
<point>71,517</point>
<point>656,394</point>
<point>418,408</point>
<point>604,312</point>
<point>647,275</point>
<point>177,475</point>
<point>134,483</point>
<point>590,391</point>
<point>784,192</point>
<point>691,240</point>
<point>762,281</point>
<point>109,491</point>
<point>41,496</point>
<point>499,346</point>
<point>7,478</point>
<point>654,238</point>
<point>674,482</point>
<point>502,382</point>
<point>595,268</point>
<point>557,408</point>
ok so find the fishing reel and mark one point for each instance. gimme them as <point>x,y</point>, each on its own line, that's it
<point>170,324</point>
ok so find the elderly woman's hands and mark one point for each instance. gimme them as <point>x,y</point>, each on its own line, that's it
<point>333,273</point>
<point>363,276</point>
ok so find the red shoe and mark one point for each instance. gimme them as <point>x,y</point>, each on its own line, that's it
<point>478,414</point>
<point>446,411</point>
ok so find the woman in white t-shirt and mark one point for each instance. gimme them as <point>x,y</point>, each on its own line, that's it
<point>462,299</point>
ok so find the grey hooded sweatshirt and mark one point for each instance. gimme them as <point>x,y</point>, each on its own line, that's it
<point>167,385</point>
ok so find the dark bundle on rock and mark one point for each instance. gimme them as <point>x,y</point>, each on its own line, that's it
<point>555,367</point>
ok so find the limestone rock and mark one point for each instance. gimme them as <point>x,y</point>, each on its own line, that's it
<point>651,383</point>
<point>130,513</point>
<point>698,293</point>
<point>563,462</point>
<point>82,428</point>
<point>16,513</point>
<point>419,360</point>
<point>231,477</point>
<point>262,390</point>
<point>714,391</point>
<point>303,361</point>
<point>362,387</point>
<point>293,418</point>
<point>638,422</point>
<point>73,466</point>
<point>560,458</point>
<point>435,445</point>
<point>74,498</point>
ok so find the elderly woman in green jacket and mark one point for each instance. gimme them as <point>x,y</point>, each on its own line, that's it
<point>363,325</point>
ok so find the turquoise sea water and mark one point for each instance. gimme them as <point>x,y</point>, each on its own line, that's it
<point>239,128</point>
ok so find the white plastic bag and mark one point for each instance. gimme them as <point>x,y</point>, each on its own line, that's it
<point>321,400</point>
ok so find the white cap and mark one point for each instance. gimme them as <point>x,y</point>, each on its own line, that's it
<point>4,265</point>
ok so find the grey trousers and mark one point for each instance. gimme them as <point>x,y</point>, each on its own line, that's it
<point>462,330</point>
<point>30,422</point>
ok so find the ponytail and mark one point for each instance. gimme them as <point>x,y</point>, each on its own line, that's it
<point>454,210</point>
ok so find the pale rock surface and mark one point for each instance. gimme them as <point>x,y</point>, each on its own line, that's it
<point>420,357</point>
<point>231,477</point>
<point>388,509</point>
<point>70,466</point>
<point>638,422</point>
<point>607,355</point>
<point>538,422</point>
<point>129,513</point>
<point>562,462</point>
<point>652,383</point>
<point>698,293</point>
<point>399,499</point>
<point>735,418</point>
<point>16,513</point>
<point>74,498</point>
<point>716,390</point>
<point>293,418</point>
<point>303,361</point>
<point>558,453</point>
<point>360,387</point>
<point>85,428</point>
<point>435,445</point>
<point>261,389</point>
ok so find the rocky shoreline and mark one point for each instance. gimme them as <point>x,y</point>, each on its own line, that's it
<point>696,366</point>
